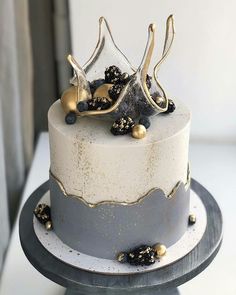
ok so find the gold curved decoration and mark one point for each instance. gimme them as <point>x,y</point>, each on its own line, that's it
<point>104,37</point>
<point>107,111</point>
<point>170,32</point>
<point>143,69</point>
<point>105,44</point>
<point>186,185</point>
<point>91,205</point>
<point>83,89</point>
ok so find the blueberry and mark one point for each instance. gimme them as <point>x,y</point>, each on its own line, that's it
<point>70,118</point>
<point>171,107</point>
<point>145,122</point>
<point>82,106</point>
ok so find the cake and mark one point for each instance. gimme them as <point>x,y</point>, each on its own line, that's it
<point>119,174</point>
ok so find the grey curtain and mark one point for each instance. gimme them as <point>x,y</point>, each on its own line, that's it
<point>4,222</point>
<point>16,119</point>
<point>50,38</point>
<point>34,42</point>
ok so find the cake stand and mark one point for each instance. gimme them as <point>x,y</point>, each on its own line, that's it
<point>163,281</point>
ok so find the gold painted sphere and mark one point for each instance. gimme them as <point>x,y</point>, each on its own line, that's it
<point>121,257</point>
<point>160,100</point>
<point>71,97</point>
<point>48,225</point>
<point>69,100</point>
<point>102,91</point>
<point>139,131</point>
<point>160,249</point>
<point>192,218</point>
<point>83,94</point>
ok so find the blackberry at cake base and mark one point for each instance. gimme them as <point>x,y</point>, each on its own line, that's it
<point>119,212</point>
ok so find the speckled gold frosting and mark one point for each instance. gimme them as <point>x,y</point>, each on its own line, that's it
<point>93,165</point>
<point>171,194</point>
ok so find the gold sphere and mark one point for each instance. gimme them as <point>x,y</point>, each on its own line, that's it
<point>102,91</point>
<point>71,97</point>
<point>83,94</point>
<point>48,225</point>
<point>139,131</point>
<point>160,100</point>
<point>121,257</point>
<point>192,218</point>
<point>69,100</point>
<point>160,249</point>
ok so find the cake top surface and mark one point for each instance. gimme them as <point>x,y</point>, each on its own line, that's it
<point>94,131</point>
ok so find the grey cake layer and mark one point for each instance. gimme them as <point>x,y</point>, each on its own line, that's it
<point>107,229</point>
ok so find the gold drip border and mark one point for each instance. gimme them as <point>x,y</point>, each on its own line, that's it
<point>140,200</point>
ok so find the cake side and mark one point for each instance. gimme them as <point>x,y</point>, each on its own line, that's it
<point>91,164</point>
<point>115,228</point>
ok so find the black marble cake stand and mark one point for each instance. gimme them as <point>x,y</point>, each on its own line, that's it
<point>162,281</point>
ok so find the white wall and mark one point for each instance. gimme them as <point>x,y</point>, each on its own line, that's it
<point>201,69</point>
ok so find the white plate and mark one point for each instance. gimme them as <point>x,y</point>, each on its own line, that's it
<point>189,240</point>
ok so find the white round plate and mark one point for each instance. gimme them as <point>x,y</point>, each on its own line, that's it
<point>79,260</point>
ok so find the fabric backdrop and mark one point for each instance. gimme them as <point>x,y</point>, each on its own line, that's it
<point>16,120</point>
<point>4,223</point>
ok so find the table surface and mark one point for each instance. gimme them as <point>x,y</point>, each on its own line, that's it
<point>213,165</point>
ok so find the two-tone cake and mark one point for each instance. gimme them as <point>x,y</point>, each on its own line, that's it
<point>119,176</point>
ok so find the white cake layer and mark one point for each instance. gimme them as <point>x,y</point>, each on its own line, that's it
<point>93,164</point>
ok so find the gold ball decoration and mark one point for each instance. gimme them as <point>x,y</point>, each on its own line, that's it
<point>48,225</point>
<point>69,100</point>
<point>102,91</point>
<point>121,257</point>
<point>192,218</point>
<point>160,250</point>
<point>160,100</point>
<point>83,94</point>
<point>139,131</point>
<point>71,97</point>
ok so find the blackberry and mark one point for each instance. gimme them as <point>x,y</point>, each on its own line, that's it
<point>43,213</point>
<point>145,122</point>
<point>143,255</point>
<point>82,106</point>
<point>70,118</point>
<point>115,91</point>
<point>95,84</point>
<point>149,81</point>
<point>99,103</point>
<point>122,126</point>
<point>124,78</point>
<point>171,107</point>
<point>112,74</point>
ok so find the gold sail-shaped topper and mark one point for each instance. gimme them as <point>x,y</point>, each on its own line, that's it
<point>109,86</point>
